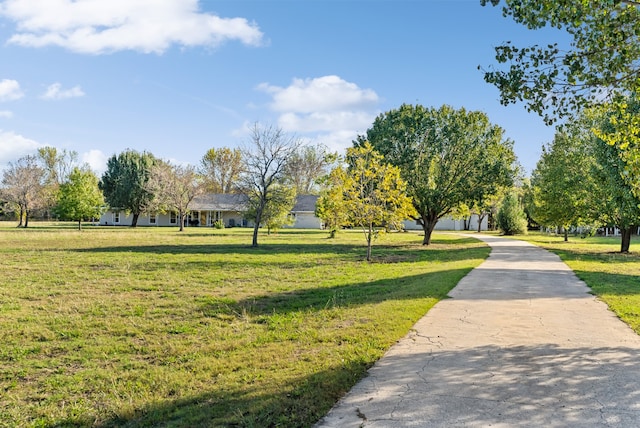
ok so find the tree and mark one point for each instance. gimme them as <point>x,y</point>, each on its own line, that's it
<point>57,166</point>
<point>221,169</point>
<point>511,217</point>
<point>601,66</point>
<point>264,159</point>
<point>331,207</point>
<point>602,62</point>
<point>580,180</point>
<point>621,128</point>
<point>446,156</point>
<point>23,187</point>
<point>618,204</point>
<point>124,182</point>
<point>618,197</point>
<point>562,185</point>
<point>374,194</point>
<point>276,213</point>
<point>307,166</point>
<point>79,197</point>
<point>174,187</point>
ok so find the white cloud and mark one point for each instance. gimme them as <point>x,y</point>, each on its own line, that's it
<point>55,92</point>
<point>14,146</point>
<point>102,26</point>
<point>96,159</point>
<point>10,90</point>
<point>332,109</point>
<point>322,94</point>
<point>6,114</point>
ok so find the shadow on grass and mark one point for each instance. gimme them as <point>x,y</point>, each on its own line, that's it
<point>298,403</point>
<point>381,253</point>
<point>434,285</point>
<point>611,283</point>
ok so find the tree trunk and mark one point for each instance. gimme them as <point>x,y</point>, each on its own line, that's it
<point>428,224</point>
<point>480,218</point>
<point>26,218</point>
<point>134,220</point>
<point>258,219</point>
<point>625,241</point>
<point>181,218</point>
<point>80,225</point>
<point>369,236</point>
<point>566,234</point>
<point>21,217</point>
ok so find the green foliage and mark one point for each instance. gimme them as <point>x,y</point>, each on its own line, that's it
<point>562,185</point>
<point>511,217</point>
<point>218,224</point>
<point>79,197</point>
<point>602,61</point>
<point>621,129</point>
<point>276,213</point>
<point>447,157</point>
<point>124,182</point>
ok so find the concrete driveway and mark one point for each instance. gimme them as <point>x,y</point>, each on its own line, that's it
<point>521,342</point>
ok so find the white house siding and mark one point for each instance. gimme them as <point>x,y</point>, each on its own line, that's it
<point>448,223</point>
<point>306,220</point>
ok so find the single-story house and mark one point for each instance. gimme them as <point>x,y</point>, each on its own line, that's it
<point>207,209</point>
<point>229,209</point>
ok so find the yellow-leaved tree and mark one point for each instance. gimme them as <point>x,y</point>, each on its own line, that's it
<point>372,193</point>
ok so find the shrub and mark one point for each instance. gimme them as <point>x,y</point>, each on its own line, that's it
<point>218,224</point>
<point>511,218</point>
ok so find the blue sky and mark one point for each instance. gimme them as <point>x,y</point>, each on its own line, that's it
<point>177,77</point>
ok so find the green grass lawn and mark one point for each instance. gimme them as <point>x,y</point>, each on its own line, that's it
<point>612,276</point>
<point>152,327</point>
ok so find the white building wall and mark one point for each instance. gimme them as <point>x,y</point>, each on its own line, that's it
<point>306,220</point>
<point>448,223</point>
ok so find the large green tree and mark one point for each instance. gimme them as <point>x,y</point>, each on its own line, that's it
<point>124,182</point>
<point>446,156</point>
<point>580,180</point>
<point>79,197</point>
<point>562,184</point>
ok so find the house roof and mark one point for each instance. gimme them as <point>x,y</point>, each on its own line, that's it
<point>305,203</point>
<point>219,202</point>
<point>238,202</point>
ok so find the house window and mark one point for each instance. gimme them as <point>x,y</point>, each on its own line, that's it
<point>116,217</point>
<point>174,218</point>
<point>152,219</point>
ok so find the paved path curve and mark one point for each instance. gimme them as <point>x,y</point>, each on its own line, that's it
<point>521,342</point>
